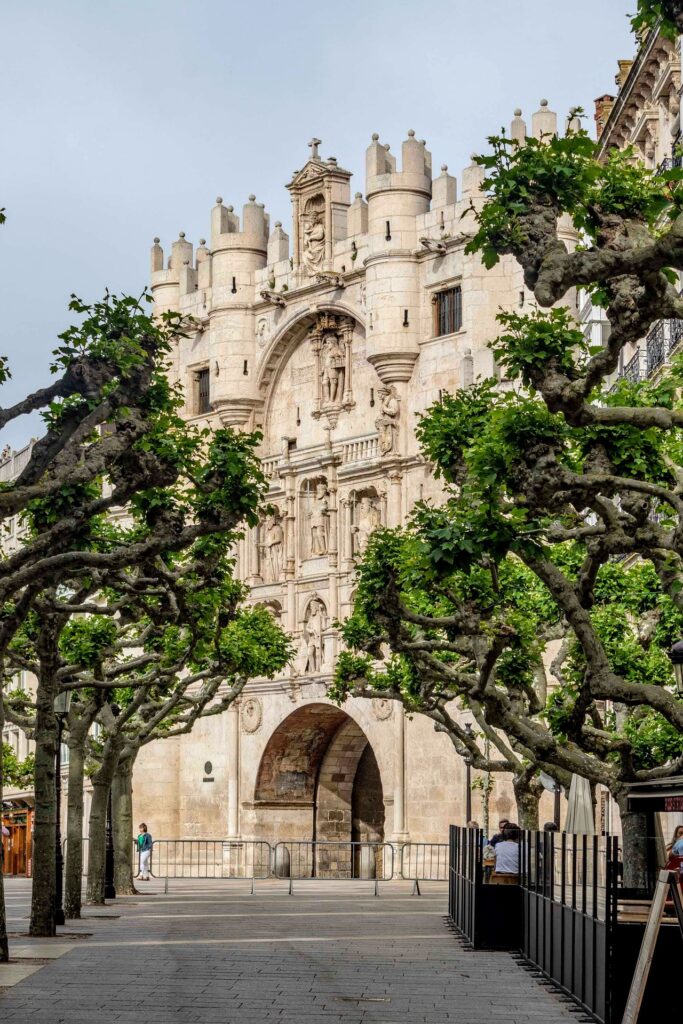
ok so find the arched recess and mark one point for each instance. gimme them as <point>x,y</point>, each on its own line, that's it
<point>318,779</point>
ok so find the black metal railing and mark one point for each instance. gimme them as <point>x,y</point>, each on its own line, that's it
<point>631,370</point>
<point>465,873</point>
<point>569,885</point>
<point>656,347</point>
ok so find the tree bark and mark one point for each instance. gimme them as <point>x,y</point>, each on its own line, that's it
<point>122,813</point>
<point>43,892</point>
<point>74,829</point>
<point>527,796</point>
<point>635,848</point>
<point>101,783</point>
<point>4,946</point>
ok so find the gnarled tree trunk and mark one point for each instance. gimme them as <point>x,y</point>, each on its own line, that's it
<point>122,814</point>
<point>74,829</point>
<point>101,784</point>
<point>527,796</point>
<point>4,947</point>
<point>43,892</point>
<point>635,848</point>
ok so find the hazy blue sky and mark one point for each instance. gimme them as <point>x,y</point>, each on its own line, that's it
<point>123,119</point>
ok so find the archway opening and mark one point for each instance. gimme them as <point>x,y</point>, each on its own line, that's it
<point>319,780</point>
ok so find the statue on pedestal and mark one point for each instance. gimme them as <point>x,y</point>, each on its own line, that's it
<point>387,421</point>
<point>318,517</point>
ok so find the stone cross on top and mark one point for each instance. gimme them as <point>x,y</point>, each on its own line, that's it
<point>314,143</point>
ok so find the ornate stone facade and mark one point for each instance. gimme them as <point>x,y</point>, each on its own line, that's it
<point>330,345</point>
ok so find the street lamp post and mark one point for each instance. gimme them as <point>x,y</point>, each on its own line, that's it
<point>676,656</point>
<point>61,705</point>
<point>557,790</point>
<point>468,778</point>
<point>109,887</point>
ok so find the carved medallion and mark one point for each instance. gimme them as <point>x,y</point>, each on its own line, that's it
<point>382,708</point>
<point>252,714</point>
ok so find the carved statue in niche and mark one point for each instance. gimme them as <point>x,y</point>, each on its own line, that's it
<point>333,363</point>
<point>367,519</point>
<point>387,421</point>
<point>314,235</point>
<point>316,621</point>
<point>330,340</point>
<point>272,546</point>
<point>318,518</point>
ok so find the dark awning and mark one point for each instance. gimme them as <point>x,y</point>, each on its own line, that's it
<point>660,795</point>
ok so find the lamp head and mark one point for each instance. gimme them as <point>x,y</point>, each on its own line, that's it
<point>62,703</point>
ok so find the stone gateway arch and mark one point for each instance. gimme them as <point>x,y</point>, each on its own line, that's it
<point>320,776</point>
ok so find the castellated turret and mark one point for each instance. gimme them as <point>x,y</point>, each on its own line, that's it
<point>217,288</point>
<point>395,200</point>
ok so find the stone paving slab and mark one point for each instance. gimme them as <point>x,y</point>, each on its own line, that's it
<point>213,954</point>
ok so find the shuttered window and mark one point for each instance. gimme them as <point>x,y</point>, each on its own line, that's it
<point>447,311</point>
<point>203,403</point>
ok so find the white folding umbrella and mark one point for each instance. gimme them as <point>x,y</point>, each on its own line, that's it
<point>580,815</point>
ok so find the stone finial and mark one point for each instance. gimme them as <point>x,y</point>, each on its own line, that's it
<point>313,144</point>
<point>411,133</point>
<point>156,240</point>
<point>231,209</point>
<point>157,257</point>
<point>375,137</point>
<point>181,234</point>
<point>219,200</point>
<point>544,122</point>
<point>444,168</point>
<point>358,195</point>
<point>278,223</point>
<point>202,241</point>
<point>518,127</point>
<point>332,160</point>
<point>252,198</point>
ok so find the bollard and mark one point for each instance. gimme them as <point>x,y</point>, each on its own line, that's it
<point>166,886</point>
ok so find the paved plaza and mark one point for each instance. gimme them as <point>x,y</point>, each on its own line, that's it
<point>211,953</point>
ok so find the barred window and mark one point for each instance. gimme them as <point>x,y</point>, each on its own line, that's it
<point>447,311</point>
<point>202,395</point>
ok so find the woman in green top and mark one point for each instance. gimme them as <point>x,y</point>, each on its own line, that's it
<point>144,852</point>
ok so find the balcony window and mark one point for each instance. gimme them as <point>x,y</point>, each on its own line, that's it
<point>447,311</point>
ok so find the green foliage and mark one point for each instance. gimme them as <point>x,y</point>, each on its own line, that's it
<point>551,176</point>
<point>16,774</point>
<point>657,13</point>
<point>532,343</point>
<point>85,640</point>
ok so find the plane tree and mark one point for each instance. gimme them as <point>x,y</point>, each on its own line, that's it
<point>558,542</point>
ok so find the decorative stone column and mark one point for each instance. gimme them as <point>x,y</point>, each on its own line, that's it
<point>347,334</point>
<point>395,498</point>
<point>233,741</point>
<point>346,535</point>
<point>399,773</point>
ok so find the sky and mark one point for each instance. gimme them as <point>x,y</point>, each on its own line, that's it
<point>124,119</point>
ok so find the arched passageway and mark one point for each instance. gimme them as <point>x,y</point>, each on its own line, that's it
<point>319,779</point>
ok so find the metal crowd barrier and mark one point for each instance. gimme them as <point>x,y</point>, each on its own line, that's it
<point>249,859</point>
<point>301,859</point>
<point>424,862</point>
<point>293,860</point>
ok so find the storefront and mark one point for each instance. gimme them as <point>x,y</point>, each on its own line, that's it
<point>17,836</point>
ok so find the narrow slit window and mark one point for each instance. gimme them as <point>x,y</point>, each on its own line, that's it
<point>448,311</point>
<point>203,403</point>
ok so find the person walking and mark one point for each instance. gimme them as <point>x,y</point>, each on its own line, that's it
<point>144,852</point>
